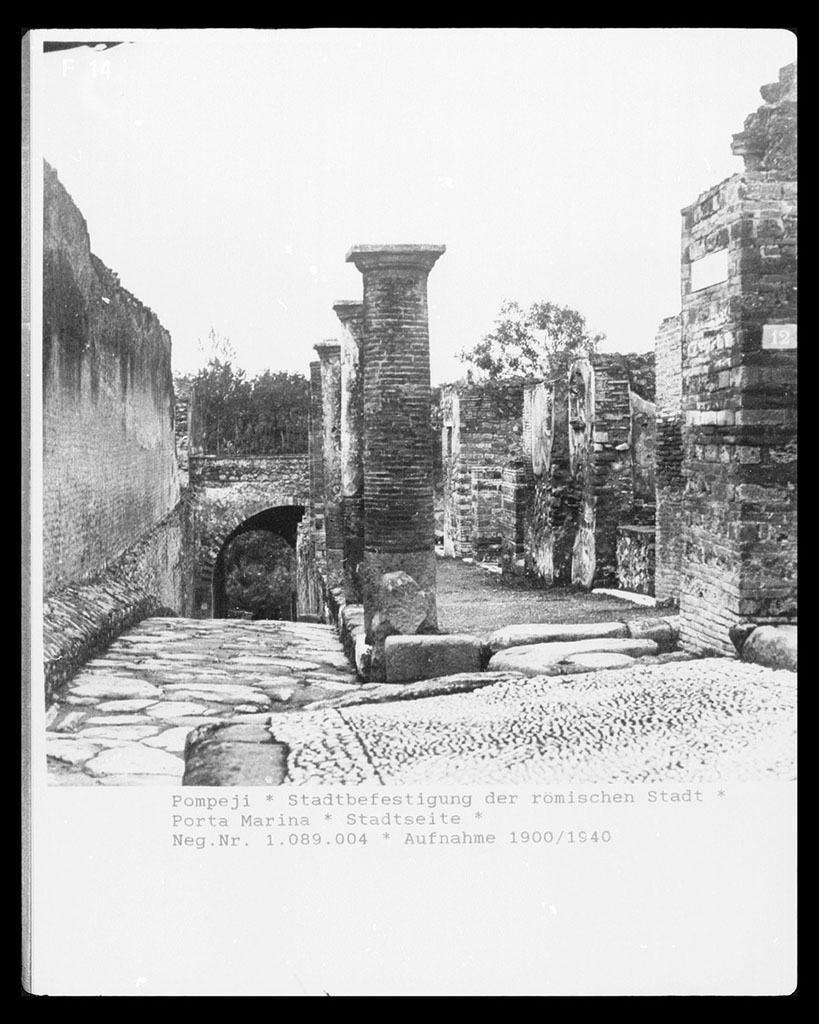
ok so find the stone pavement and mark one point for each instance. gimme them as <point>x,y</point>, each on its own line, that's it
<point>124,718</point>
<point>705,720</point>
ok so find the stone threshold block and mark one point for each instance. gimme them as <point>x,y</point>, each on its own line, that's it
<point>234,755</point>
<point>546,659</point>
<point>552,632</point>
<point>409,658</point>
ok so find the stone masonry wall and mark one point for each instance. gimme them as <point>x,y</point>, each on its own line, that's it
<point>739,391</point>
<point>109,462</point>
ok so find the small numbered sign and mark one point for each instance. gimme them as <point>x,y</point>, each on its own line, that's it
<point>779,336</point>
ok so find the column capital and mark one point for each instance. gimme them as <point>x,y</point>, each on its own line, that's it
<point>327,349</point>
<point>348,309</point>
<point>410,257</point>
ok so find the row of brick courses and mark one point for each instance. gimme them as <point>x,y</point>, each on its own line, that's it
<point>316,462</point>
<point>739,422</point>
<point>109,459</point>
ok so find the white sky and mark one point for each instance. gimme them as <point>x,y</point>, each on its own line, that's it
<point>225,174</point>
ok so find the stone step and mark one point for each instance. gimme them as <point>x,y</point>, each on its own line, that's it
<point>546,658</point>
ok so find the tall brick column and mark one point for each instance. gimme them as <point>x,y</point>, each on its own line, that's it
<point>399,526</point>
<point>351,315</point>
<point>329,353</point>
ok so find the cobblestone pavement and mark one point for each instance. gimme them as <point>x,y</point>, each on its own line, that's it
<point>705,720</point>
<point>124,717</point>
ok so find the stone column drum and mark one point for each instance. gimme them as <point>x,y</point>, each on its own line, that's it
<point>399,526</point>
<point>329,353</point>
<point>351,315</point>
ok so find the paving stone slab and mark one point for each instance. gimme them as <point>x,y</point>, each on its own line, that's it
<point>178,709</point>
<point>123,705</point>
<point>74,751</point>
<point>540,659</point>
<point>114,687</point>
<point>172,740</point>
<point>119,732</point>
<point>135,759</point>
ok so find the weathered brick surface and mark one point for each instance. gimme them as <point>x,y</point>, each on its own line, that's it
<point>738,400</point>
<point>399,531</point>
<point>109,461</point>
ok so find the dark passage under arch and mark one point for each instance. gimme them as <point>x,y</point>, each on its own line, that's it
<point>281,522</point>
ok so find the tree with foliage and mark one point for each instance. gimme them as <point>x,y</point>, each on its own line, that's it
<point>265,415</point>
<point>527,342</point>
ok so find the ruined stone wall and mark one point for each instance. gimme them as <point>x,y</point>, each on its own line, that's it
<point>182,410</point>
<point>669,513</point>
<point>109,463</point>
<point>551,517</point>
<point>481,432</point>
<point>589,436</point>
<point>739,389</point>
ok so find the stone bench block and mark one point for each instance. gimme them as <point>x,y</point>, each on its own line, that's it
<point>552,632</point>
<point>545,659</point>
<point>424,657</point>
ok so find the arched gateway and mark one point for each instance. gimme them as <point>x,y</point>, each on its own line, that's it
<point>234,495</point>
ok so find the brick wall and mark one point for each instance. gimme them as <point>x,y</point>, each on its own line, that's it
<point>109,462</point>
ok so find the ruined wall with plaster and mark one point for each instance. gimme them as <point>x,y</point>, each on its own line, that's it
<point>481,433</point>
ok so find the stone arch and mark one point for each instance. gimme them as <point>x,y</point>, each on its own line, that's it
<point>280,520</point>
